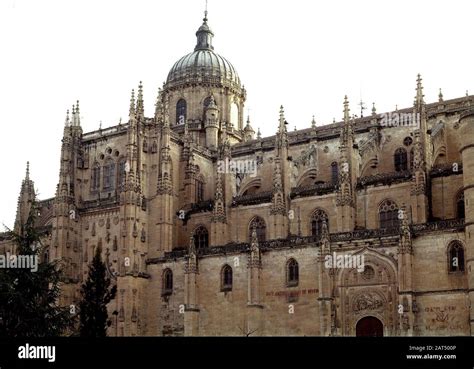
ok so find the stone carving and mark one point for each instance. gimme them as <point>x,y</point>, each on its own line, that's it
<point>367,301</point>
<point>306,160</point>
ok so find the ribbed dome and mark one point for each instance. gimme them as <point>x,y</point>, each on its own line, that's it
<point>203,65</point>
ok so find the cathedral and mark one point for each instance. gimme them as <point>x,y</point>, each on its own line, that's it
<point>360,227</point>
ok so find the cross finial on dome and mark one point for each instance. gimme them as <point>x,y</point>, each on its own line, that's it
<point>205,14</point>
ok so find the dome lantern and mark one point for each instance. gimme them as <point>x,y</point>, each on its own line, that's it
<point>204,36</point>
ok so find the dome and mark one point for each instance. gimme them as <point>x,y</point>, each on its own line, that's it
<point>203,65</point>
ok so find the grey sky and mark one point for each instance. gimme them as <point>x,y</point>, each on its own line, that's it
<point>303,54</point>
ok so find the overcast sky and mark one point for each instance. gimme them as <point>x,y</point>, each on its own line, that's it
<point>302,54</point>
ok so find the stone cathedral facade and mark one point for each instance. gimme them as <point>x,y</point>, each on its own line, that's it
<point>207,228</point>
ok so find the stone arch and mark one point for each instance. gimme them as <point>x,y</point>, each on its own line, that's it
<point>456,248</point>
<point>459,204</point>
<point>309,175</point>
<point>369,166</point>
<point>400,159</point>
<point>440,156</point>
<point>292,272</point>
<point>375,259</point>
<point>201,236</point>
<point>387,213</point>
<point>315,218</point>
<point>226,278</point>
<point>261,227</point>
<point>376,295</point>
<point>376,326</point>
<point>255,183</point>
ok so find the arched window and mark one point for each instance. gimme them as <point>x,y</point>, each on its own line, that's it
<point>207,100</point>
<point>154,147</point>
<point>400,160</point>
<point>334,173</point>
<point>456,257</point>
<point>259,224</point>
<point>95,177</point>
<point>201,238</point>
<point>145,145</point>
<point>317,219</point>
<point>226,278</point>
<point>181,111</point>
<point>167,288</point>
<point>121,174</point>
<point>460,210</point>
<point>109,175</point>
<point>388,214</point>
<point>234,115</point>
<point>292,273</point>
<point>199,189</point>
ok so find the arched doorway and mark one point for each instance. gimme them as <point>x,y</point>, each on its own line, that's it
<point>369,327</point>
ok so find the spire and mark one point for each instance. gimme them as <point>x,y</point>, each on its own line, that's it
<point>324,230</point>
<point>419,91</point>
<point>73,115</point>
<point>254,257</point>
<point>248,130</point>
<point>66,122</point>
<point>204,35</point>
<point>27,175</point>
<point>325,239</point>
<point>191,264</point>
<point>346,131</point>
<point>259,134</point>
<point>77,111</point>
<point>25,200</point>
<point>159,106</point>
<point>254,239</point>
<point>132,105</point>
<point>405,243</point>
<point>313,123</point>
<point>344,190</point>
<point>440,96</point>
<point>219,214</point>
<point>140,107</point>
<point>282,126</point>
<point>374,111</point>
<point>346,109</point>
<point>75,118</point>
<point>278,199</point>
<point>281,138</point>
<point>192,247</point>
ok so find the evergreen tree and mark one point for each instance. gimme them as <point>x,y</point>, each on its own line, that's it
<point>96,294</point>
<point>29,298</point>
